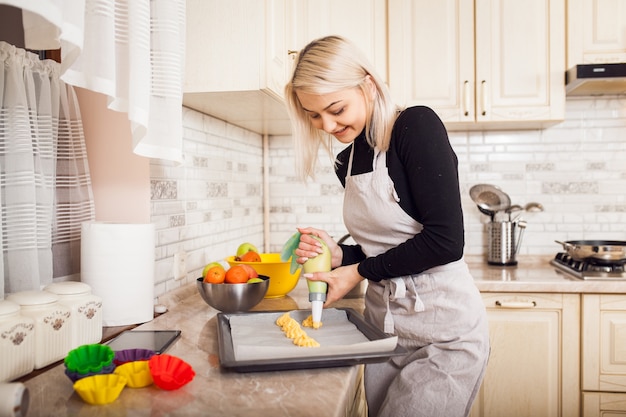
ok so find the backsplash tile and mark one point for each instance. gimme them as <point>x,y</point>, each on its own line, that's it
<point>214,201</point>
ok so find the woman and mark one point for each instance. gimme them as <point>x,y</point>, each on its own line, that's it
<point>402,207</point>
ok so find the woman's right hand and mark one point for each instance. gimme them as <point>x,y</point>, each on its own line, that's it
<point>310,248</point>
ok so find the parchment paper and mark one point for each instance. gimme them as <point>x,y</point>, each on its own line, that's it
<point>257,336</point>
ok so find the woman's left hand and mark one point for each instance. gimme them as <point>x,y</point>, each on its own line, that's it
<point>340,281</point>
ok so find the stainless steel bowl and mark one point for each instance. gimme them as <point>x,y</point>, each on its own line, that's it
<point>233,298</point>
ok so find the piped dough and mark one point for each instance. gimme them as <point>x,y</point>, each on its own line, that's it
<point>308,322</point>
<point>292,330</point>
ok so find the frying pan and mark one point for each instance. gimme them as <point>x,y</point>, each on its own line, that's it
<point>602,250</point>
<point>490,197</point>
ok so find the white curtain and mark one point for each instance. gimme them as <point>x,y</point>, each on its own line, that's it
<point>45,188</point>
<point>130,50</point>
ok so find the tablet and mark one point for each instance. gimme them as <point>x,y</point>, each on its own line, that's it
<point>156,340</point>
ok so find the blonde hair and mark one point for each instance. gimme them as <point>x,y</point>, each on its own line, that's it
<point>324,66</point>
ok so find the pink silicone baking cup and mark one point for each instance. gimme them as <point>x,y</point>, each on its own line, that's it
<point>170,372</point>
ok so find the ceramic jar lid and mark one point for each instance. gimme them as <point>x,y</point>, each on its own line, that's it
<point>69,288</point>
<point>33,298</point>
<point>8,308</point>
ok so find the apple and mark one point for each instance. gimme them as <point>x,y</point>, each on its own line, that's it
<point>253,280</point>
<point>250,270</point>
<point>245,247</point>
<point>250,256</point>
<point>209,266</point>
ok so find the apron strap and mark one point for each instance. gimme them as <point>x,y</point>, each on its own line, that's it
<point>395,288</point>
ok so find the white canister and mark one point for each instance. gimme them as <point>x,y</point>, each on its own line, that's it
<point>17,342</point>
<point>53,327</point>
<point>86,311</point>
<point>14,400</point>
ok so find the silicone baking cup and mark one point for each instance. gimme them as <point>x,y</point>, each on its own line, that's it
<point>137,373</point>
<point>131,355</point>
<point>87,359</point>
<point>100,389</point>
<point>170,372</point>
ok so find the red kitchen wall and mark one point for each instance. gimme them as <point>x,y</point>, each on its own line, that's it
<point>120,179</point>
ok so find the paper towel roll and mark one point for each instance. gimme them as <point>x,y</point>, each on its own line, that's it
<point>117,261</point>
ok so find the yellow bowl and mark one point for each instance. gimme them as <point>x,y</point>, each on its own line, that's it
<point>281,280</point>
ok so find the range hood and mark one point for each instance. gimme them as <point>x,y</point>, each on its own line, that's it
<point>596,79</point>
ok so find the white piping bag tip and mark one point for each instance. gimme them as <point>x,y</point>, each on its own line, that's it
<point>316,310</point>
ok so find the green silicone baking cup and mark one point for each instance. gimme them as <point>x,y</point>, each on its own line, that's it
<point>89,358</point>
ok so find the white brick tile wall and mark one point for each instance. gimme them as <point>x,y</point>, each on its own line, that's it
<point>214,201</point>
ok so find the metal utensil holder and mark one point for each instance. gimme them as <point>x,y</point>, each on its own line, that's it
<point>502,246</point>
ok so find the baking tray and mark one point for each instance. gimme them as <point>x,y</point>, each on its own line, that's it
<point>228,360</point>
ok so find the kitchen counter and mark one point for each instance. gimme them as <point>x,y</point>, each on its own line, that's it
<point>314,392</point>
<point>535,274</point>
<point>213,391</point>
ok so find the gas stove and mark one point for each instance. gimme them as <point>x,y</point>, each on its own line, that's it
<point>588,270</point>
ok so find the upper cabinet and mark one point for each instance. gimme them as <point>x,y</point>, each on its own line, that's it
<point>240,53</point>
<point>596,31</point>
<point>480,64</point>
<point>237,61</point>
<point>366,25</point>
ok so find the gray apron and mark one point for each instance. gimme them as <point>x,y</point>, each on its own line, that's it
<point>438,315</point>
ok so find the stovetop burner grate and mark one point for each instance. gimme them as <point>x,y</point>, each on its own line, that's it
<point>588,270</point>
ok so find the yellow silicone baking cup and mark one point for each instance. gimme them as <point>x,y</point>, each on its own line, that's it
<point>100,389</point>
<point>137,373</point>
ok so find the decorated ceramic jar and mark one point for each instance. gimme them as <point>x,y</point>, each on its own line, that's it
<point>17,342</point>
<point>86,310</point>
<point>53,326</point>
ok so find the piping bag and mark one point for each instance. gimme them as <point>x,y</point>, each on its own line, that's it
<point>320,263</point>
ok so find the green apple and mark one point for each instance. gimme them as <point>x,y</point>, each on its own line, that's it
<point>253,280</point>
<point>246,247</point>
<point>209,266</point>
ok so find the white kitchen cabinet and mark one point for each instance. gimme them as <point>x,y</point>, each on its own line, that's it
<point>533,368</point>
<point>240,53</point>
<point>603,404</point>
<point>596,31</point>
<point>480,64</point>
<point>237,61</point>
<point>366,25</point>
<point>603,359</point>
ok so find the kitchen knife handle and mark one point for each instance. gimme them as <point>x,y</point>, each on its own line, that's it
<point>516,304</point>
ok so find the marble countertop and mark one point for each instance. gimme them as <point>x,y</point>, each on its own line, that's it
<point>214,391</point>
<point>312,392</point>
<point>536,274</point>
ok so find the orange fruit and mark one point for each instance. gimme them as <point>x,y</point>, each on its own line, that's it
<point>250,256</point>
<point>250,270</point>
<point>215,275</point>
<point>236,275</point>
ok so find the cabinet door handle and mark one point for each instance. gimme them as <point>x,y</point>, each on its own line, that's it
<point>483,97</point>
<point>466,98</point>
<point>516,304</point>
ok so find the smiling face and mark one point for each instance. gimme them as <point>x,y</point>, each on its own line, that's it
<point>342,114</point>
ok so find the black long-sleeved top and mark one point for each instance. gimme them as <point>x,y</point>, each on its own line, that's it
<point>424,170</point>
